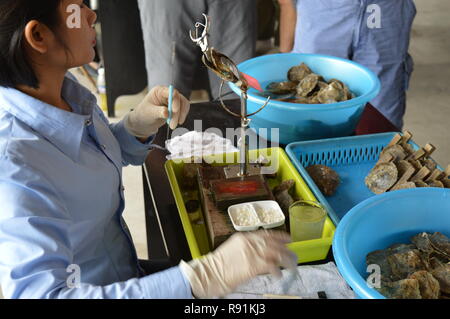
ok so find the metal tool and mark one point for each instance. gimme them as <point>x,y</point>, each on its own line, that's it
<point>227,71</point>
<point>169,119</point>
<point>171,90</point>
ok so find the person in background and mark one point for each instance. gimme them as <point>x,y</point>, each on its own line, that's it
<point>166,23</point>
<point>374,33</point>
<point>62,234</point>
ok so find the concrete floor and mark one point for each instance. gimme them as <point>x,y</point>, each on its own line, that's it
<point>427,117</point>
<point>428,108</point>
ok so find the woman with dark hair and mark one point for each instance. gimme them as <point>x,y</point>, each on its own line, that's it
<point>62,234</point>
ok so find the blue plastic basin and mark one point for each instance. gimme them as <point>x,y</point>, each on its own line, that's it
<point>300,122</point>
<point>382,221</point>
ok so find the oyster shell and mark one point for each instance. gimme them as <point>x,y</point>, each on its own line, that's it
<point>223,66</point>
<point>428,285</point>
<point>423,265</point>
<point>379,257</point>
<point>347,94</point>
<point>308,85</point>
<point>382,177</point>
<point>326,179</point>
<point>280,88</point>
<point>405,263</point>
<point>441,243</point>
<point>402,289</point>
<point>332,93</point>
<point>441,272</point>
<point>423,243</point>
<point>283,197</point>
<point>299,72</point>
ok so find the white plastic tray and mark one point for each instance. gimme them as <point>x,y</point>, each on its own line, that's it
<point>254,210</point>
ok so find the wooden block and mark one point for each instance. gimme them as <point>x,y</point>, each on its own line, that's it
<point>408,148</point>
<point>405,171</point>
<point>437,174</point>
<point>385,158</point>
<point>396,140</point>
<point>406,136</point>
<point>429,163</point>
<point>429,149</point>
<point>218,223</point>
<point>438,184</point>
<point>421,183</point>
<point>417,154</point>
<point>406,185</point>
<point>397,152</point>
<point>447,171</point>
<point>417,165</point>
<point>446,179</point>
<point>421,174</point>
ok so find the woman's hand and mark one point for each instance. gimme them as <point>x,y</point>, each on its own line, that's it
<point>152,113</point>
<point>239,259</point>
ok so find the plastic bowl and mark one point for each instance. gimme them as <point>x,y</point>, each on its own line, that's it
<point>382,221</point>
<point>300,122</point>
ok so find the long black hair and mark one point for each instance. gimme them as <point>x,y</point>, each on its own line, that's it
<point>15,65</point>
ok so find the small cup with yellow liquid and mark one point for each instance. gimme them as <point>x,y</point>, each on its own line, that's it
<point>307,219</point>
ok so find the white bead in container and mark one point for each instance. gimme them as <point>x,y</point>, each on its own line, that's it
<point>244,217</point>
<point>254,215</point>
<point>269,213</point>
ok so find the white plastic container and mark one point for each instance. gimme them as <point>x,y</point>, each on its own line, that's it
<point>255,215</point>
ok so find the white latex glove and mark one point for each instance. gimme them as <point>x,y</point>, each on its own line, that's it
<point>152,113</point>
<point>239,259</point>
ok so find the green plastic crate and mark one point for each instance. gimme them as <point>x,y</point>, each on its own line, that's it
<point>194,225</point>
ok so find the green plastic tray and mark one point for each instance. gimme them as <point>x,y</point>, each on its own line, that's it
<point>194,225</point>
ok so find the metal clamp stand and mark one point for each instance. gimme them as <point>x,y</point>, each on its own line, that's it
<point>227,70</point>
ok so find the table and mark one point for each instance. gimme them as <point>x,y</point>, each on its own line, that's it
<point>165,235</point>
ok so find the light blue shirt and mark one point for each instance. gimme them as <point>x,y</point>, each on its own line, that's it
<point>61,203</point>
<point>347,29</point>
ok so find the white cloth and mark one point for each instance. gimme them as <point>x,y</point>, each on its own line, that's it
<point>198,144</point>
<point>308,281</point>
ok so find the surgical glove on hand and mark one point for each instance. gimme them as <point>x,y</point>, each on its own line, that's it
<point>152,113</point>
<point>239,259</point>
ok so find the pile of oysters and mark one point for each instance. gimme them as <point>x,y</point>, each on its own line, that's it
<point>401,167</point>
<point>305,87</point>
<point>420,270</point>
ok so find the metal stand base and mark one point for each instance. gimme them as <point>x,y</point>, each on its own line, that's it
<point>234,171</point>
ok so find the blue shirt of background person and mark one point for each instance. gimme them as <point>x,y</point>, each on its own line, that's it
<point>374,33</point>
